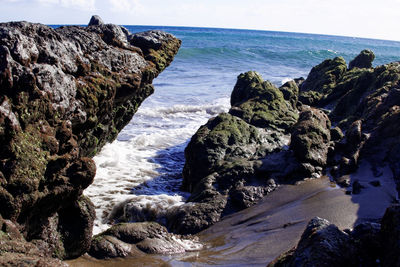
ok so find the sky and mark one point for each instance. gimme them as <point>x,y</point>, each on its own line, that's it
<point>377,19</point>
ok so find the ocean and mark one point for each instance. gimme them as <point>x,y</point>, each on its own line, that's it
<point>146,160</point>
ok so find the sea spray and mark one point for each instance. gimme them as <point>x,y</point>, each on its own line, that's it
<point>146,160</point>
<point>143,166</point>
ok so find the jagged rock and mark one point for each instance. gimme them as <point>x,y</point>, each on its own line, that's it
<point>225,140</point>
<point>322,80</point>
<point>363,60</point>
<point>231,149</point>
<point>65,92</point>
<point>280,165</point>
<point>311,136</point>
<point>290,91</point>
<point>95,21</point>
<point>261,104</point>
<point>126,239</point>
<point>390,235</point>
<point>321,244</point>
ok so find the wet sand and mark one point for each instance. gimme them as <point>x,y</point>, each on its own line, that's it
<point>255,236</point>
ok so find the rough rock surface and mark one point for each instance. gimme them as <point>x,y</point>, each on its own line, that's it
<point>95,21</point>
<point>311,136</point>
<point>230,159</point>
<point>364,103</point>
<point>363,60</point>
<point>321,244</point>
<point>128,239</point>
<point>16,251</point>
<point>65,92</point>
<point>225,155</point>
<point>321,80</point>
<point>369,244</point>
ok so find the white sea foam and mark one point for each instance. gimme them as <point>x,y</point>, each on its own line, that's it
<point>146,160</point>
<point>285,80</point>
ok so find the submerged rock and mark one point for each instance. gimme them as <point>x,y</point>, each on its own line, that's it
<point>65,92</point>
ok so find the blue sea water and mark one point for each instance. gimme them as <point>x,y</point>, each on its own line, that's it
<point>145,162</point>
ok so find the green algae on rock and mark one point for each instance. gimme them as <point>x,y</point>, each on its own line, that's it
<point>260,103</point>
<point>66,92</point>
<point>223,158</point>
<point>321,80</point>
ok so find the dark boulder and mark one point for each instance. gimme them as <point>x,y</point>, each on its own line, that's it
<point>132,239</point>
<point>321,244</point>
<point>363,60</point>
<point>261,104</point>
<point>192,217</point>
<point>311,136</point>
<point>322,80</point>
<point>95,21</point>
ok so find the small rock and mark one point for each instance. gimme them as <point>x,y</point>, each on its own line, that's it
<point>375,183</point>
<point>321,244</point>
<point>343,181</point>
<point>95,20</point>
<point>105,246</point>
<point>363,60</point>
<point>357,187</point>
<point>311,136</point>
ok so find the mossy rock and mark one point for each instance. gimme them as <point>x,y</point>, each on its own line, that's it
<point>363,60</point>
<point>322,80</point>
<point>311,136</point>
<point>210,145</point>
<point>261,104</point>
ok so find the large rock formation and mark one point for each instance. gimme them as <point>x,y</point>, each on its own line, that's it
<point>226,157</point>
<point>66,92</point>
<point>231,160</point>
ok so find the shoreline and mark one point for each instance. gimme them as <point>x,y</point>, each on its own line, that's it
<point>261,233</point>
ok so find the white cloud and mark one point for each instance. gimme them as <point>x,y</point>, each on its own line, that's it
<point>125,6</point>
<point>88,5</point>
